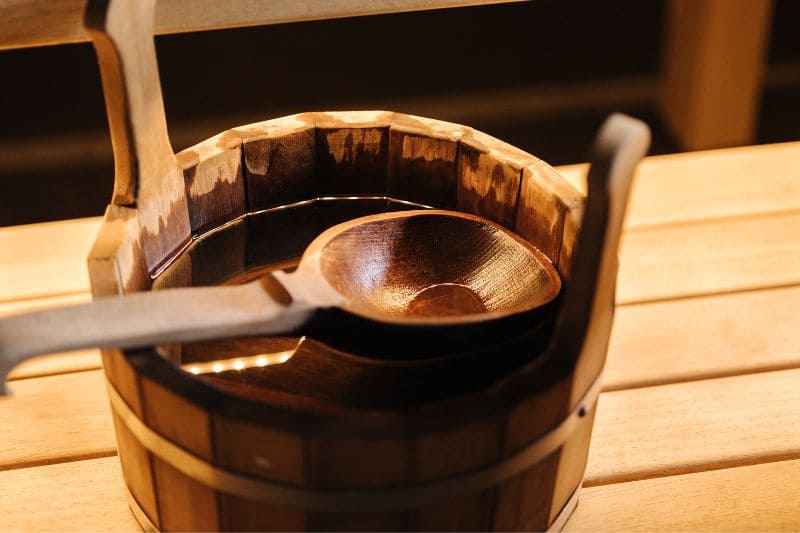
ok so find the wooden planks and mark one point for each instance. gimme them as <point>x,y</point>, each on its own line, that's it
<point>697,338</point>
<point>702,451</point>
<point>26,23</point>
<point>45,259</point>
<point>694,426</point>
<point>55,419</point>
<point>709,185</point>
<point>644,432</point>
<point>751,498</point>
<point>89,495</point>
<point>728,255</point>
<point>61,363</point>
<point>718,421</point>
<point>24,306</point>
<point>77,496</point>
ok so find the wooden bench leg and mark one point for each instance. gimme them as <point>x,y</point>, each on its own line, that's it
<point>713,63</point>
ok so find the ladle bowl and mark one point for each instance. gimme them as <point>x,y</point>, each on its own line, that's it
<point>429,266</point>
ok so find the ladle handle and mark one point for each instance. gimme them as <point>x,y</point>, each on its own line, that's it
<point>150,318</point>
<point>588,308</point>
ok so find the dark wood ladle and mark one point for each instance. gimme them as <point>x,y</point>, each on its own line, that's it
<point>408,269</point>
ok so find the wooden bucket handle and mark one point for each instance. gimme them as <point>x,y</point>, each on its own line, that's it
<point>147,173</point>
<point>122,32</point>
<point>588,308</point>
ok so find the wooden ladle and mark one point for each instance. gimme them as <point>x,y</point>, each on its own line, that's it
<point>413,269</point>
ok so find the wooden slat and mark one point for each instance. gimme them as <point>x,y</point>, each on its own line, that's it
<point>55,419</point>
<point>45,259</point>
<point>60,363</point>
<point>23,306</point>
<point>77,496</point>
<point>89,495</point>
<point>707,337</point>
<point>751,498</point>
<point>714,58</point>
<point>707,185</point>
<point>722,256</point>
<point>700,425</point>
<point>40,22</point>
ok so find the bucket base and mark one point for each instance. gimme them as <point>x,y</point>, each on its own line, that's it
<point>566,511</point>
<point>557,525</point>
<point>139,514</point>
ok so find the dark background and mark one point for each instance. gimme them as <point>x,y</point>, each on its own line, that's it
<point>541,75</point>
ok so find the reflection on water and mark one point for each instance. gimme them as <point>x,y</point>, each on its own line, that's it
<point>237,363</point>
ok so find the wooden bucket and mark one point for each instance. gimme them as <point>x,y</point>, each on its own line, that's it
<point>494,440</point>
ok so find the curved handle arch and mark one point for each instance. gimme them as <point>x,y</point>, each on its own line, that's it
<point>147,173</point>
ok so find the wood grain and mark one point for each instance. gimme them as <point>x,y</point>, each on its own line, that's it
<point>45,259</point>
<point>573,219</point>
<point>721,256</point>
<point>708,185</point>
<point>699,425</point>
<point>179,493</point>
<point>489,177</point>
<point>438,455</point>
<point>423,160</point>
<point>544,202</point>
<point>259,450</point>
<point>22,306</point>
<point>26,23</point>
<point>116,261</point>
<point>60,363</point>
<point>177,419</point>
<point>279,161</point>
<point>352,151</point>
<point>214,180</point>
<point>750,498</point>
<point>76,496</point>
<point>137,470</point>
<point>698,338</point>
<point>55,419</point>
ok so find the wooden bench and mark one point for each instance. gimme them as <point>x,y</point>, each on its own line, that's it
<point>698,426</point>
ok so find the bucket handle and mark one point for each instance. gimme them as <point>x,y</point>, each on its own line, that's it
<point>584,324</point>
<point>147,173</point>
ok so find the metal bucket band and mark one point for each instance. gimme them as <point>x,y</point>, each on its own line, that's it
<point>350,500</point>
